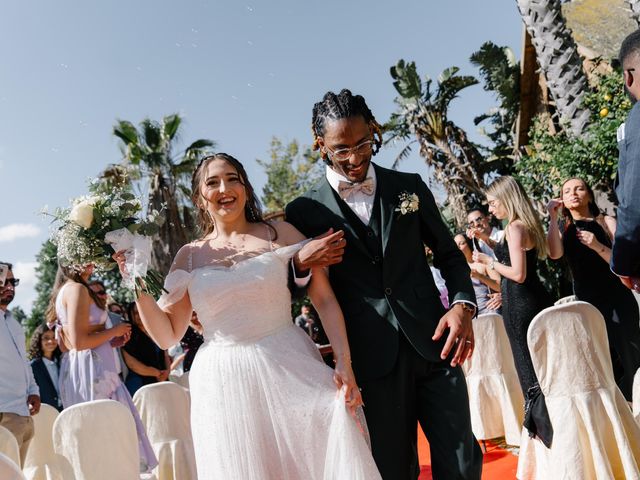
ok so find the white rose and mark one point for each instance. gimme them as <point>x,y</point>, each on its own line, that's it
<point>82,214</point>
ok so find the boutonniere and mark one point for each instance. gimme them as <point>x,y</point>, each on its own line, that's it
<point>409,203</point>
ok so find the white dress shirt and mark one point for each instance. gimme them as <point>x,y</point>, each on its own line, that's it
<point>16,381</point>
<point>360,203</point>
<point>52,368</point>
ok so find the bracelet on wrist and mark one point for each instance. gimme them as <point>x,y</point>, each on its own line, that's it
<point>492,265</point>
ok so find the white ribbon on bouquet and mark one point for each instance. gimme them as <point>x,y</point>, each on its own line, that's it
<point>137,253</point>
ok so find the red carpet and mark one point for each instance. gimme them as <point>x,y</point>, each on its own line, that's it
<point>498,464</point>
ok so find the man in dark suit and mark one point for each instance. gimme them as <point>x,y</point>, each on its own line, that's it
<point>405,347</point>
<point>625,255</point>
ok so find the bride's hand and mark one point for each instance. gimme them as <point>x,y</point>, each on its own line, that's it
<point>120,260</point>
<point>345,379</point>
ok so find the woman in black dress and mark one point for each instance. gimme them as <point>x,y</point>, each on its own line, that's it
<point>147,362</point>
<point>523,295</point>
<point>584,236</point>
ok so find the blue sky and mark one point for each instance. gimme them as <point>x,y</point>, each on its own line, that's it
<point>239,72</point>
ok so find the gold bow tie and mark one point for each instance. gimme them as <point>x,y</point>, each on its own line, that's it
<point>345,189</point>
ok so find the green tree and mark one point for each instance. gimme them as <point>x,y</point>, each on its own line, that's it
<point>559,60</point>
<point>500,73</point>
<point>423,114</point>
<point>550,159</point>
<point>45,278</point>
<point>165,175</point>
<point>291,171</point>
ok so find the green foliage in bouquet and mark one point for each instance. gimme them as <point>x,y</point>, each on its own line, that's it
<point>550,159</point>
<point>80,237</point>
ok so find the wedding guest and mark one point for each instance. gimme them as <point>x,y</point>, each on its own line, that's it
<point>88,364</point>
<point>625,256</point>
<point>116,308</point>
<point>114,319</point>
<point>485,282</point>
<point>305,321</point>
<point>584,235</point>
<point>523,295</point>
<point>480,231</point>
<point>45,363</point>
<point>19,393</point>
<point>147,362</point>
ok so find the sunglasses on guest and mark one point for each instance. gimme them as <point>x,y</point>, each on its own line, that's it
<point>12,281</point>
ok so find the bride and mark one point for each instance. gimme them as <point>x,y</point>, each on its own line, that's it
<point>263,404</point>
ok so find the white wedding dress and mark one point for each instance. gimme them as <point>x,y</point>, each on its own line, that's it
<point>263,404</point>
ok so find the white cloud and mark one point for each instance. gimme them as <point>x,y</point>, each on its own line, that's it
<point>25,292</point>
<point>16,231</point>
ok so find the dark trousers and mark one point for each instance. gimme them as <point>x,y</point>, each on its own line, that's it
<point>433,394</point>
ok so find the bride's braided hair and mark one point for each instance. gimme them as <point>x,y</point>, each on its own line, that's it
<point>337,107</point>
<point>252,208</point>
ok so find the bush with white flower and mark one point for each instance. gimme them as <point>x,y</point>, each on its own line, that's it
<point>97,225</point>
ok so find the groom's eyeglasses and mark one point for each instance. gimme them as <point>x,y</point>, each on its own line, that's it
<point>12,281</point>
<point>345,153</point>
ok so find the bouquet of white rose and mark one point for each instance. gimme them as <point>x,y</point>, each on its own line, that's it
<point>106,221</point>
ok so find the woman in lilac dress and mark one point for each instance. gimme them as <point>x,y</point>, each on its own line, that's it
<point>88,365</point>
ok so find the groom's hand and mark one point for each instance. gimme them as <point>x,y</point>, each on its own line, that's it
<point>324,250</point>
<point>458,321</point>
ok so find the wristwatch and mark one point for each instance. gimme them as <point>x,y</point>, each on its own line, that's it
<point>467,307</point>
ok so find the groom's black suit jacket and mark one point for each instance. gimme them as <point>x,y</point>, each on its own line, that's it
<point>384,284</point>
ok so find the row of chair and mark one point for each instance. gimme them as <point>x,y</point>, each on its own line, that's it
<point>97,440</point>
<point>595,432</point>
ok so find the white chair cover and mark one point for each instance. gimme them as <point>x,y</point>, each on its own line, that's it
<point>567,299</point>
<point>99,440</point>
<point>495,397</point>
<point>182,380</point>
<point>595,435</point>
<point>9,445</point>
<point>165,411</point>
<point>635,396</point>
<point>9,470</point>
<point>42,462</point>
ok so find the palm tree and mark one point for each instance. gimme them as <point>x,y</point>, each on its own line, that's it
<point>149,151</point>
<point>500,72</point>
<point>634,7</point>
<point>422,113</point>
<point>558,58</point>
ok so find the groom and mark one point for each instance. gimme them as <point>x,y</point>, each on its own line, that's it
<point>406,349</point>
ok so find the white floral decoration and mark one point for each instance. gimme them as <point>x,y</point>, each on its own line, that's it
<point>409,203</point>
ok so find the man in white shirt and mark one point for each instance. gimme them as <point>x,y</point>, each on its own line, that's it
<point>19,393</point>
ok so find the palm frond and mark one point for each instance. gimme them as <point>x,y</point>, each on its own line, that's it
<point>126,132</point>
<point>171,125</point>
<point>151,133</point>
<point>404,153</point>
<point>406,80</point>
<point>201,144</point>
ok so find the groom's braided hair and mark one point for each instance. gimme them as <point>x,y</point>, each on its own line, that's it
<point>252,207</point>
<point>337,107</point>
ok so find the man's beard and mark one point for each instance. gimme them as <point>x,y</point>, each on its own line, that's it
<point>4,301</point>
<point>630,95</point>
